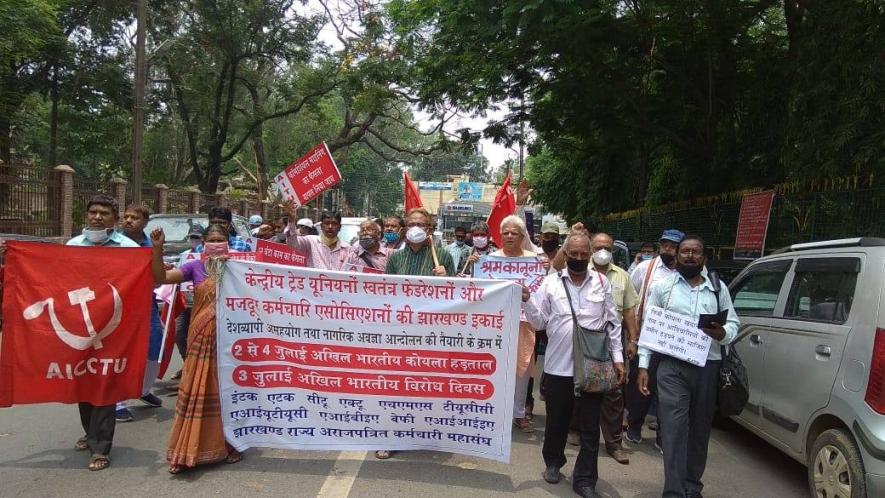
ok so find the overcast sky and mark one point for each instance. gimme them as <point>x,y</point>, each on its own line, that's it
<point>496,154</point>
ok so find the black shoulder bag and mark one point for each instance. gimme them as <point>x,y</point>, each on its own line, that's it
<point>733,380</point>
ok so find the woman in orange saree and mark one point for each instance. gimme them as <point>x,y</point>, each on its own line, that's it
<point>197,437</point>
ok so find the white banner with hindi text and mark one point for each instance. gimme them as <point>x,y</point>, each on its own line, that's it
<point>326,360</point>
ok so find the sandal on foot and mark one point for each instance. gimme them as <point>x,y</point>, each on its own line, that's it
<point>524,425</point>
<point>382,454</point>
<point>99,462</point>
<point>233,456</point>
<point>81,444</point>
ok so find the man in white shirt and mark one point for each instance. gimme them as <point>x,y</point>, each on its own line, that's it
<point>548,308</point>
<point>644,277</point>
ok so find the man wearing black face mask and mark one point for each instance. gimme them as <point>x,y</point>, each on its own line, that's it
<point>368,253</point>
<point>687,393</point>
<point>548,308</point>
<point>644,277</point>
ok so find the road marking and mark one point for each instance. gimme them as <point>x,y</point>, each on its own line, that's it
<point>342,475</point>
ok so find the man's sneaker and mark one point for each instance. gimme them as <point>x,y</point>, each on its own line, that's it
<point>124,415</point>
<point>151,400</point>
<point>635,438</point>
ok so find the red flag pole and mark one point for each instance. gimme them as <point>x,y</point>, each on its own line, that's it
<point>170,308</point>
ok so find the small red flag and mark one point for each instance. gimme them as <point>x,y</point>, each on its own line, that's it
<point>75,323</point>
<point>504,206</point>
<point>412,198</point>
<point>174,304</point>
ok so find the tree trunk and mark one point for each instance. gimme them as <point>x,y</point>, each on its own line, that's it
<point>53,119</point>
<point>260,162</point>
<point>5,138</point>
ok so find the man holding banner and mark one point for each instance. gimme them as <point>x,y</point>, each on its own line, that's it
<point>324,251</point>
<point>550,308</point>
<point>53,293</point>
<point>687,385</point>
<point>419,257</point>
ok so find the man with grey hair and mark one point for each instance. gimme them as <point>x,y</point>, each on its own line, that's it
<point>550,308</point>
<point>367,252</point>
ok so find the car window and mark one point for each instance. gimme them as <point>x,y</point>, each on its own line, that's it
<point>756,294</point>
<point>176,229</point>
<point>823,289</point>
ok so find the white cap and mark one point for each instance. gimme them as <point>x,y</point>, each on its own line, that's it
<point>256,219</point>
<point>304,222</point>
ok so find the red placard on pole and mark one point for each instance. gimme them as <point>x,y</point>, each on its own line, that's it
<point>753,225</point>
<point>309,176</point>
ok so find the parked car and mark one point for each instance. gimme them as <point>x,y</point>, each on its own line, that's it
<point>812,338</point>
<point>177,226</point>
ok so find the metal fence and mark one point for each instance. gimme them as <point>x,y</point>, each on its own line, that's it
<point>28,200</point>
<point>797,215</point>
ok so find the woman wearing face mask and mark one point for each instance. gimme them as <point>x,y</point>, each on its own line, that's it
<point>513,236</point>
<point>482,245</point>
<point>197,437</point>
<point>367,253</point>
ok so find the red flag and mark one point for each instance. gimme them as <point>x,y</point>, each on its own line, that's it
<point>76,322</point>
<point>413,199</point>
<point>174,304</point>
<point>504,205</point>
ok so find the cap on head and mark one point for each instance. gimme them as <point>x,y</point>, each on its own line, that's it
<point>256,219</point>
<point>195,233</point>
<point>550,227</point>
<point>304,222</point>
<point>672,235</point>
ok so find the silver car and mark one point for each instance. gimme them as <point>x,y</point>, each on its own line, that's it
<point>812,339</point>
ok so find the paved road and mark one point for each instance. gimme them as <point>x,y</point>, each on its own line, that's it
<point>37,460</point>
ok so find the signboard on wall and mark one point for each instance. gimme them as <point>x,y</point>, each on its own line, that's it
<point>753,225</point>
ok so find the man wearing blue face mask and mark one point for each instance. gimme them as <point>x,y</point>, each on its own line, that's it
<point>647,252</point>
<point>394,233</point>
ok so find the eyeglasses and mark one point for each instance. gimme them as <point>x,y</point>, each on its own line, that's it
<point>687,253</point>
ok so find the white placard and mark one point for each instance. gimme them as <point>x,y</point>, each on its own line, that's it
<point>327,360</point>
<point>674,334</point>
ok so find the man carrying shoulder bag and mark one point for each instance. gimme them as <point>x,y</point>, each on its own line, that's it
<point>583,359</point>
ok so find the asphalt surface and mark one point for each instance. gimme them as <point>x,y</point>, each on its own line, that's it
<point>37,459</point>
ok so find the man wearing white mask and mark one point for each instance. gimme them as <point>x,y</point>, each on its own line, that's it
<point>482,246</point>
<point>99,422</point>
<point>418,258</point>
<point>626,299</point>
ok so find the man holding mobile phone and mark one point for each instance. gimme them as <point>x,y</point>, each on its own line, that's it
<point>687,393</point>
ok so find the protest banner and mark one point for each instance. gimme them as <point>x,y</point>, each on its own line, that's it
<point>675,335</point>
<point>309,176</point>
<point>753,225</point>
<point>74,330</point>
<point>327,360</point>
<point>526,271</point>
<point>274,252</point>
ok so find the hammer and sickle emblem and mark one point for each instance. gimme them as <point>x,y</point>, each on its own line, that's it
<point>80,297</point>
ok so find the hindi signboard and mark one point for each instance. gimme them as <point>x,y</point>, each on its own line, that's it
<point>526,271</point>
<point>326,360</point>
<point>753,225</point>
<point>675,335</point>
<point>274,252</point>
<point>309,176</point>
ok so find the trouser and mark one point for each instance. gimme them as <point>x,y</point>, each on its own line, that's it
<point>612,418</point>
<point>182,323</point>
<point>98,423</point>
<point>637,404</point>
<point>560,401</point>
<point>686,405</point>
<point>520,393</point>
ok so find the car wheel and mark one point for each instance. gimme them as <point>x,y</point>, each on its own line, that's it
<point>835,469</point>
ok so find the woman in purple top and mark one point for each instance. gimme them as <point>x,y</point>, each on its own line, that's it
<point>197,436</point>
